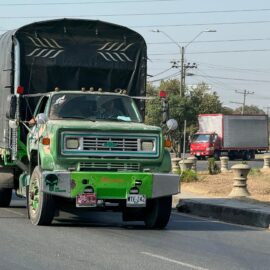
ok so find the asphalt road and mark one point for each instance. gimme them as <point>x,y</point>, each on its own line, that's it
<point>203,164</point>
<point>102,241</point>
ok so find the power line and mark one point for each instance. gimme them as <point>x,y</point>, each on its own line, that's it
<point>162,72</point>
<point>267,110</point>
<point>232,51</point>
<point>166,78</point>
<point>245,93</point>
<point>83,3</point>
<point>213,66</point>
<point>235,79</point>
<point>137,14</point>
<point>183,25</point>
<point>204,52</point>
<point>186,25</point>
<point>215,80</point>
<point>210,41</point>
<point>199,24</point>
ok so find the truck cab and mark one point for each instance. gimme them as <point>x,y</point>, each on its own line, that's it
<point>93,149</point>
<point>205,145</point>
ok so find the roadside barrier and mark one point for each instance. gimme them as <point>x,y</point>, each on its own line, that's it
<point>240,180</point>
<point>185,164</point>
<point>266,162</point>
<point>175,165</point>
<point>194,165</point>
<point>224,164</point>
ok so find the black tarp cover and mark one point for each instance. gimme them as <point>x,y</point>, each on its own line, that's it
<point>71,54</point>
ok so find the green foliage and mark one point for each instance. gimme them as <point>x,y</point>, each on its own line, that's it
<point>196,100</point>
<point>227,110</point>
<point>213,168</point>
<point>204,100</point>
<point>189,176</point>
<point>252,109</point>
<point>255,171</point>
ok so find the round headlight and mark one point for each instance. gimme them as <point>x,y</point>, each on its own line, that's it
<point>147,146</point>
<point>72,143</point>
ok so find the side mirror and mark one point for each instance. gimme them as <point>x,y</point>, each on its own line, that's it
<point>12,106</point>
<point>172,124</point>
<point>42,119</point>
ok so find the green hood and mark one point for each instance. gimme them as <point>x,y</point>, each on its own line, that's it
<point>102,126</point>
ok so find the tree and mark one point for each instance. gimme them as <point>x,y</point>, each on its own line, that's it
<point>153,106</point>
<point>197,100</point>
<point>252,109</point>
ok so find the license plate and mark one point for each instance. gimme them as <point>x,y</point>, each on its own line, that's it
<point>198,154</point>
<point>136,200</point>
<point>86,200</point>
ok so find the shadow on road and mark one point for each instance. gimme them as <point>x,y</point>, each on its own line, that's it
<point>113,220</point>
<point>178,222</point>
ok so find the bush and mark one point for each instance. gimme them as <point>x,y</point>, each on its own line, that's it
<point>213,168</point>
<point>255,171</point>
<point>189,176</point>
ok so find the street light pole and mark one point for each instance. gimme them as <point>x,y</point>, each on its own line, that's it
<point>182,54</point>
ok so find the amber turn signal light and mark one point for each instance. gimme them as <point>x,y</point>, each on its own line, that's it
<point>167,143</point>
<point>45,141</point>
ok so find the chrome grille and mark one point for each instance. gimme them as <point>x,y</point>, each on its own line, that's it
<point>110,144</point>
<point>116,167</point>
<point>114,145</point>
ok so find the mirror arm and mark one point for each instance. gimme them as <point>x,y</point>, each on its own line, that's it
<point>30,130</point>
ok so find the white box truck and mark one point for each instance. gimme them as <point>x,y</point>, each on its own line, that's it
<point>237,136</point>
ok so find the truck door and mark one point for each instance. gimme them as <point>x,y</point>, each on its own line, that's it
<point>216,142</point>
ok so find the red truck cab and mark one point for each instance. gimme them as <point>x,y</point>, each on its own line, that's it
<point>205,145</point>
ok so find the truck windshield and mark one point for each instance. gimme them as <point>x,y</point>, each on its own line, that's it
<point>201,138</point>
<point>94,107</point>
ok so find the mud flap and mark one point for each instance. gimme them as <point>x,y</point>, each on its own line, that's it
<point>6,177</point>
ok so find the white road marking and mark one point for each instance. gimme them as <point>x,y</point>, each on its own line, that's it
<point>14,212</point>
<point>205,219</point>
<point>174,261</point>
<point>210,220</point>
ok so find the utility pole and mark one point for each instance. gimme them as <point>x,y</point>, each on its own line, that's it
<point>244,93</point>
<point>182,55</point>
<point>186,67</point>
<point>182,78</point>
<point>267,110</point>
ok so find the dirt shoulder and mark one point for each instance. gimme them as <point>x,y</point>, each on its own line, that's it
<point>220,185</point>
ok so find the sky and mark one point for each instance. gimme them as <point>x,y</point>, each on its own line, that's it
<point>235,57</point>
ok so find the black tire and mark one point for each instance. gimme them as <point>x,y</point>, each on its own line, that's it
<point>246,155</point>
<point>157,212</point>
<point>5,197</point>
<point>252,153</point>
<point>41,206</point>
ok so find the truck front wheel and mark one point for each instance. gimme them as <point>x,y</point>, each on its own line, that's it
<point>157,212</point>
<point>41,206</point>
<point>5,196</point>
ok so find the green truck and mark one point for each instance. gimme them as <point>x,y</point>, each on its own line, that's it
<point>71,123</point>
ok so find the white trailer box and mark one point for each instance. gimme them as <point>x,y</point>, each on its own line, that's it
<point>237,131</point>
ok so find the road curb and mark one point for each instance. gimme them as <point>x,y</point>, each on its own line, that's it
<point>225,213</point>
